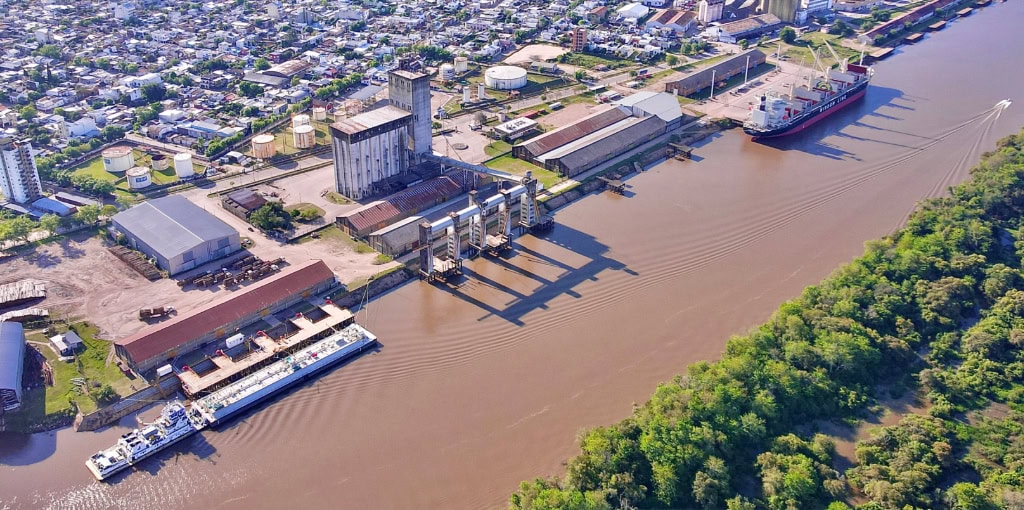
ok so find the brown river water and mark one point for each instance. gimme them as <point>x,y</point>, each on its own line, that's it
<point>488,383</point>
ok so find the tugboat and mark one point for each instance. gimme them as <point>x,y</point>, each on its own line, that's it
<point>777,115</point>
<point>174,424</point>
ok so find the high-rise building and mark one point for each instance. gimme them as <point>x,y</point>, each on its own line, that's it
<point>374,146</point>
<point>578,39</point>
<point>784,9</point>
<point>19,179</point>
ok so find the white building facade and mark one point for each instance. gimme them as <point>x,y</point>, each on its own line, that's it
<point>710,10</point>
<point>19,178</point>
<point>369,148</point>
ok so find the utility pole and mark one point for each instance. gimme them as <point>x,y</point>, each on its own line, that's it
<point>746,69</point>
<point>712,98</point>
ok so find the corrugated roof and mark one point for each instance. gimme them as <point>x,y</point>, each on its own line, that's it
<point>247,199</point>
<point>561,136</point>
<point>288,69</point>
<point>425,194</point>
<point>12,356</point>
<point>172,225</point>
<point>613,143</point>
<point>371,215</point>
<point>662,104</point>
<point>370,119</point>
<point>157,340</point>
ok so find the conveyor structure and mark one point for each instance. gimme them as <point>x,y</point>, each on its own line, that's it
<point>474,218</point>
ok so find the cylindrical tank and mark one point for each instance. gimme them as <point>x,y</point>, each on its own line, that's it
<point>183,165</point>
<point>447,72</point>
<point>319,113</point>
<point>461,64</point>
<point>300,120</point>
<point>340,116</point>
<point>505,77</point>
<point>263,146</point>
<point>481,92</point>
<point>118,159</point>
<point>305,136</point>
<point>159,162</point>
<point>465,94</point>
<point>138,177</point>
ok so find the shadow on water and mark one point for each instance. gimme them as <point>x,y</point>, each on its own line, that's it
<point>26,449</point>
<point>565,237</point>
<point>858,115</point>
<point>195,445</point>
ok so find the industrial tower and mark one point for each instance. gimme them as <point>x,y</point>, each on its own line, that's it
<point>411,92</point>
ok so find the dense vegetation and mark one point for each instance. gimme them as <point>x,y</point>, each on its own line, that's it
<point>937,308</point>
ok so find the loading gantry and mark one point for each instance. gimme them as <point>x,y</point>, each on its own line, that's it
<point>475,218</point>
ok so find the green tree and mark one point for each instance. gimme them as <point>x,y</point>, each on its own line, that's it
<point>581,75</point>
<point>28,112</point>
<point>672,60</point>
<point>153,92</point>
<point>21,227</point>
<point>48,50</point>
<point>262,64</point>
<point>49,223</point>
<point>295,81</point>
<point>271,216</point>
<point>743,44</point>
<point>788,35</point>
<point>250,89</point>
<point>104,395</point>
<point>88,214</point>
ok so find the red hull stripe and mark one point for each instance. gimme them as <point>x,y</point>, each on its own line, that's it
<point>810,122</point>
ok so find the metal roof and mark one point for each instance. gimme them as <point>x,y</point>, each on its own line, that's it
<point>585,126</point>
<point>12,356</point>
<point>371,119</point>
<point>172,225</point>
<point>425,194</point>
<point>662,104</point>
<point>613,141</point>
<point>371,215</point>
<point>159,339</point>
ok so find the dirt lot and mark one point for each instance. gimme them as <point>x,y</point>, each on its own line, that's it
<point>83,280</point>
<point>535,52</point>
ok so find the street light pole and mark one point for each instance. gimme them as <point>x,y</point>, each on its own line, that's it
<point>712,98</point>
<point>746,69</point>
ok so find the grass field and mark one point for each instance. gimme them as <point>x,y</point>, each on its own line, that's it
<point>519,167</point>
<point>94,168</point>
<point>45,403</point>
<point>337,198</point>
<point>590,61</point>
<point>801,49</point>
<point>308,210</point>
<point>497,148</point>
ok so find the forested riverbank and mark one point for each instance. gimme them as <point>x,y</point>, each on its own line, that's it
<point>936,309</point>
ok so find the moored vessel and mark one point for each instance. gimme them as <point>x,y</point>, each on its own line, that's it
<point>777,114</point>
<point>176,422</point>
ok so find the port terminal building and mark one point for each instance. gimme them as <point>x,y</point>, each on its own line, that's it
<point>596,138</point>
<point>12,365</point>
<point>177,233</point>
<point>162,343</point>
<point>699,80</point>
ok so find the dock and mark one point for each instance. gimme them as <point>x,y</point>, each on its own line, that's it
<point>681,151</point>
<point>443,270</point>
<point>966,11</point>
<point>938,25</point>
<point>497,244</point>
<point>614,185</point>
<point>229,364</point>
<point>913,38</point>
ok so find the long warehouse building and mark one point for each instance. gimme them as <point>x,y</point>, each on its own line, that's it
<point>159,344</point>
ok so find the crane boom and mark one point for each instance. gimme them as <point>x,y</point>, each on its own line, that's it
<point>841,62</point>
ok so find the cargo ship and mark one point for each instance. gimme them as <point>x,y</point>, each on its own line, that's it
<point>776,115</point>
<point>174,424</point>
<point>298,366</point>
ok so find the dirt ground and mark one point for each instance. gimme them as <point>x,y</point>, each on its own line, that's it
<point>535,52</point>
<point>84,281</point>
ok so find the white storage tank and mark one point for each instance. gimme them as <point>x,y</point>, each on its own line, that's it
<point>159,162</point>
<point>304,136</point>
<point>138,177</point>
<point>481,92</point>
<point>319,113</point>
<point>465,94</point>
<point>300,120</point>
<point>263,146</point>
<point>505,77</point>
<point>118,159</point>
<point>447,72</point>
<point>461,64</point>
<point>183,165</point>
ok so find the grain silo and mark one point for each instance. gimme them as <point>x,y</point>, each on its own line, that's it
<point>319,113</point>
<point>263,146</point>
<point>300,120</point>
<point>304,136</point>
<point>461,64</point>
<point>183,165</point>
<point>138,177</point>
<point>118,159</point>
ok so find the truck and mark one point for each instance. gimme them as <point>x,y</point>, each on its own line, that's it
<point>152,313</point>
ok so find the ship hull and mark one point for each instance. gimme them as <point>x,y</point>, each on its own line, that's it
<point>101,476</point>
<point>851,96</point>
<point>349,351</point>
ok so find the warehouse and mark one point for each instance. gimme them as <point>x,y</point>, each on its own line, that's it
<point>159,344</point>
<point>722,71</point>
<point>12,364</point>
<point>599,137</point>
<point>243,202</point>
<point>177,233</point>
